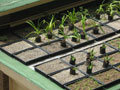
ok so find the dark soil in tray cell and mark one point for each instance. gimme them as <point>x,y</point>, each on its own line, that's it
<point>51,66</point>
<point>23,32</point>
<point>89,23</point>
<point>115,24</point>
<point>80,57</point>
<point>54,47</point>
<point>65,76</point>
<point>8,37</point>
<point>97,49</point>
<point>106,30</point>
<point>81,41</point>
<point>108,76</point>
<point>66,31</point>
<point>43,39</point>
<point>115,58</point>
<point>115,42</point>
<point>17,46</point>
<point>104,18</point>
<point>84,84</point>
<point>97,66</point>
<point>31,54</point>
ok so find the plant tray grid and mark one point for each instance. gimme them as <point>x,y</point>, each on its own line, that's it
<point>41,53</point>
<point>63,71</point>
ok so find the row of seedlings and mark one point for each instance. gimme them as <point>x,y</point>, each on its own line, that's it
<point>41,43</point>
<point>83,70</point>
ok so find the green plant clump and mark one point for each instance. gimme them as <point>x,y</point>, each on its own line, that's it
<point>61,26</point>
<point>37,31</point>
<point>73,18</point>
<point>49,28</point>
<point>76,36</point>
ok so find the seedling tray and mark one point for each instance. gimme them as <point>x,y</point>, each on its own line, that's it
<point>104,18</point>
<point>62,75</point>
<point>114,24</point>
<point>47,49</point>
<point>112,85</point>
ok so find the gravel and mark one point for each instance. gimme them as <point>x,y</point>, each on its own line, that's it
<point>31,54</point>
<point>64,76</point>
<point>17,46</point>
<point>51,66</point>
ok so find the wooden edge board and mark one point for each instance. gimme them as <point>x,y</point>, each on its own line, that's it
<point>19,8</point>
<point>24,75</point>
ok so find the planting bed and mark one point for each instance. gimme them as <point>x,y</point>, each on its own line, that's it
<point>107,31</point>
<point>84,84</point>
<point>32,54</point>
<point>115,43</point>
<point>108,76</point>
<point>16,47</point>
<point>60,71</point>
<point>52,66</point>
<point>115,24</point>
<point>55,47</point>
<point>115,58</point>
<point>64,76</point>
<point>79,67</point>
<point>104,18</point>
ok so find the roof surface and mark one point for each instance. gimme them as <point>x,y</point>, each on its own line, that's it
<point>11,4</point>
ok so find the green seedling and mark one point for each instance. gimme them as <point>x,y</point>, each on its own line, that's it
<point>107,58</point>
<point>84,12</point>
<point>73,58</point>
<point>103,46</point>
<point>112,8</point>
<point>83,22</point>
<point>90,66</point>
<point>76,35</point>
<point>72,16</point>
<point>65,36</point>
<point>100,10</point>
<point>37,31</point>
<point>61,26</point>
<point>74,68</point>
<point>63,41</point>
<point>50,26</point>
<point>92,54</point>
<point>95,25</point>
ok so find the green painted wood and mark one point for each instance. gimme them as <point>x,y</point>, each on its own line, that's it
<point>115,87</point>
<point>28,73</point>
<point>11,4</point>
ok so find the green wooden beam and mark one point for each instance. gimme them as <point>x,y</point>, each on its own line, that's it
<point>11,4</point>
<point>29,74</point>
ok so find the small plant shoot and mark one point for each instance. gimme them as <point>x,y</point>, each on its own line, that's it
<point>83,22</point>
<point>96,28</point>
<point>37,31</point>
<point>76,36</point>
<point>49,28</point>
<point>73,18</point>
<point>72,60</point>
<point>63,41</point>
<point>89,68</point>
<point>61,26</point>
<point>107,60</point>
<point>103,49</point>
